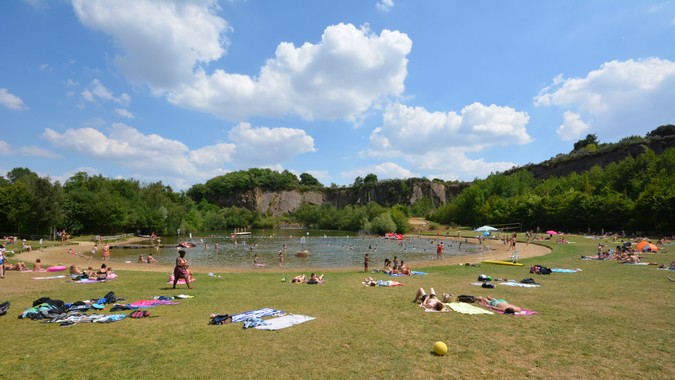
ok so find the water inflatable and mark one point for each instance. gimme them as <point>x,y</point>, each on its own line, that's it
<point>56,268</point>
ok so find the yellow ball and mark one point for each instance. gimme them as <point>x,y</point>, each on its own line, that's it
<point>440,348</point>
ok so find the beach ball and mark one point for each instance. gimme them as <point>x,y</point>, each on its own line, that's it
<point>440,348</point>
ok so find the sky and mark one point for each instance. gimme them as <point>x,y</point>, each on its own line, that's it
<point>184,91</point>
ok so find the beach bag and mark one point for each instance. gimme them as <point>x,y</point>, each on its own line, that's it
<point>139,314</point>
<point>220,319</point>
<point>4,307</point>
<point>465,298</point>
<point>528,280</point>
<point>488,285</point>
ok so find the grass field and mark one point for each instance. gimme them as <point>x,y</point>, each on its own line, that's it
<point>607,321</point>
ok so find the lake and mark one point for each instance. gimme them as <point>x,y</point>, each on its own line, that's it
<point>327,249</point>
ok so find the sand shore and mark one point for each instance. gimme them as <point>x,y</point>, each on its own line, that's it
<point>59,256</point>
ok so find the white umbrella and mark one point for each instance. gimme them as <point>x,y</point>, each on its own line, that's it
<point>485,229</point>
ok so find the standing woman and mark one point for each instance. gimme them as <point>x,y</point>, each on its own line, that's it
<point>2,262</point>
<point>281,258</point>
<point>106,252</point>
<point>181,270</point>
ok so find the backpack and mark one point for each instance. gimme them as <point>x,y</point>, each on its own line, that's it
<point>465,298</point>
<point>110,297</point>
<point>528,280</point>
<point>4,307</point>
<point>544,270</point>
<point>488,285</point>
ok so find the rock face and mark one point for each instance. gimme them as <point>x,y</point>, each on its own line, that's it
<point>386,193</point>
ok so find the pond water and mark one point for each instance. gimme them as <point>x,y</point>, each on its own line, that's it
<point>327,249</point>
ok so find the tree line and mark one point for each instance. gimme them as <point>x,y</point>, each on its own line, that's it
<point>635,194</point>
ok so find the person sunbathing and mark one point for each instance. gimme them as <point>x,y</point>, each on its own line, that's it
<point>498,304</point>
<point>431,301</point>
<point>299,279</point>
<point>19,266</point>
<point>370,282</point>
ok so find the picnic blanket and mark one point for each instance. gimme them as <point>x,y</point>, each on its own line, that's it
<point>467,308</point>
<point>260,313</point>
<point>561,270</point>
<point>283,322</point>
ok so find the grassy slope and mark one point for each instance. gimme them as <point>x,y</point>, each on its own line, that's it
<point>609,320</point>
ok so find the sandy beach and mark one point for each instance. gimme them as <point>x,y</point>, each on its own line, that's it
<point>60,256</point>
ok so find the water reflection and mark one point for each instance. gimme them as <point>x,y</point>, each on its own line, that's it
<point>327,249</point>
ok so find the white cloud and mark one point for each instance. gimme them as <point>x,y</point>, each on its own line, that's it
<point>124,113</point>
<point>98,91</point>
<point>385,170</point>
<point>441,142</point>
<point>153,157</point>
<point>572,127</point>
<point>39,5</point>
<point>341,77</point>
<point>5,149</point>
<point>161,41</point>
<point>265,147</point>
<point>620,98</point>
<point>35,151</point>
<point>11,101</point>
<point>385,5</point>
<point>168,44</point>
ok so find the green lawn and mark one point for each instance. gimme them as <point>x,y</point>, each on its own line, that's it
<point>608,321</point>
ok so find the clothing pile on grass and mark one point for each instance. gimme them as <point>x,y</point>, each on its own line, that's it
<point>67,314</point>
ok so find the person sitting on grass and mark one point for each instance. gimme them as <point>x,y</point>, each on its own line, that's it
<point>431,301</point>
<point>102,273</point>
<point>499,305</point>
<point>26,246</point>
<point>314,279</point>
<point>405,269</point>
<point>38,266</point>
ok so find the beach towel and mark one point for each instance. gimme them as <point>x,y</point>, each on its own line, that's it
<point>282,322</point>
<point>561,270</point>
<point>467,308</point>
<point>510,283</point>
<point>524,312</point>
<point>260,313</point>
<point>48,277</point>
<point>88,281</point>
<point>152,303</point>
<point>385,283</point>
<point>519,284</point>
<point>413,273</point>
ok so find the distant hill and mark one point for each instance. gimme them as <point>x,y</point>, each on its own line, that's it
<point>565,164</point>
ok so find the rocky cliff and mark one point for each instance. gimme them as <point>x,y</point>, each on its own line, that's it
<point>386,193</point>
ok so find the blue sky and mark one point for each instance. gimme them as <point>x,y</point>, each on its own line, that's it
<point>182,91</point>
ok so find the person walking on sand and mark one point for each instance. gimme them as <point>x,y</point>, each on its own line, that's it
<point>93,251</point>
